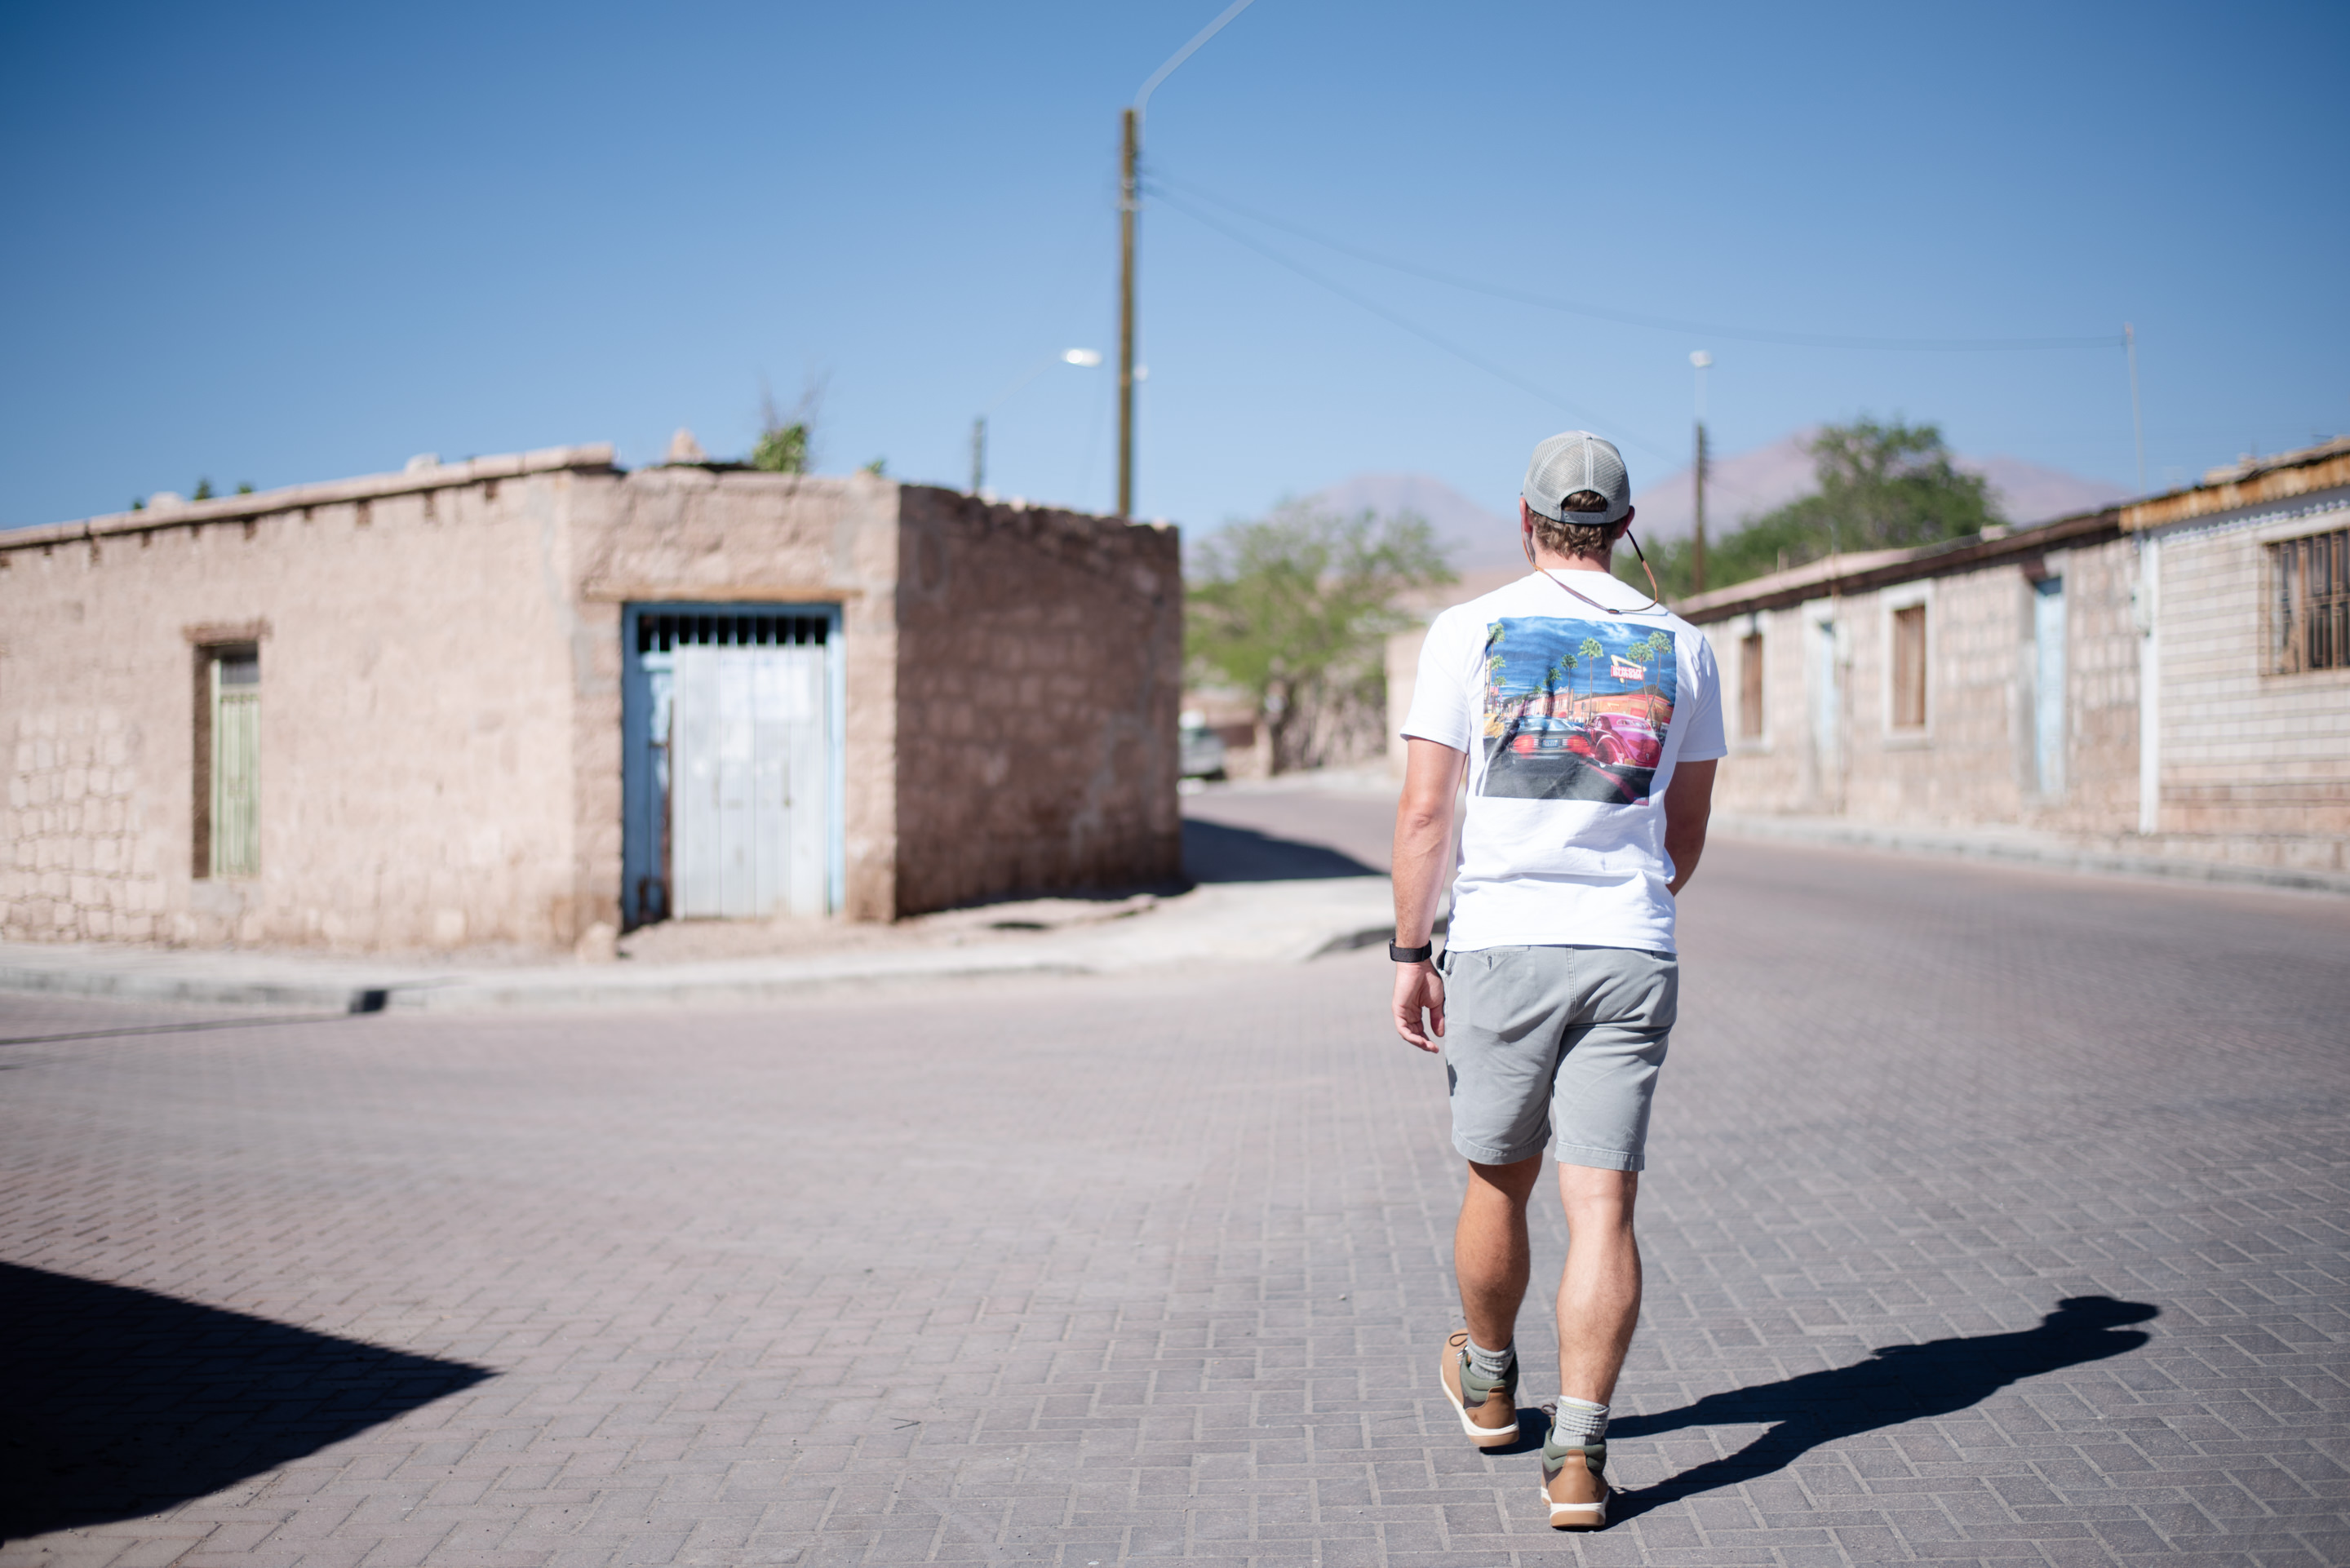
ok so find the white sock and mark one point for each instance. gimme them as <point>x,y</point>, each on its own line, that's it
<point>1579,1423</point>
<point>1491,1363</point>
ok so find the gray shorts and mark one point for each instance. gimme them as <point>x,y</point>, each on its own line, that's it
<point>1556,1038</point>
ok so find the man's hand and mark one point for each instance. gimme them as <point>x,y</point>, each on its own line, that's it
<point>1423,860</point>
<point>1417,986</point>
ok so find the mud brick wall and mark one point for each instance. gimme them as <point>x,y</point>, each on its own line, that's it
<point>416,740</point>
<point>2101,696</point>
<point>685,533</point>
<point>1039,676</point>
<point>1973,761</point>
<point>441,662</point>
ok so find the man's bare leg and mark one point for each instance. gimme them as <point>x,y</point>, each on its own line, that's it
<point>1599,1296</point>
<point>1490,1252</point>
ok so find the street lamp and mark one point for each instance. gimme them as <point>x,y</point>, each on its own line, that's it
<point>1701,361</point>
<point>1128,204</point>
<point>1084,359</point>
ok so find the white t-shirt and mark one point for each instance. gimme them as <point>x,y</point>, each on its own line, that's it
<point>1573,721</point>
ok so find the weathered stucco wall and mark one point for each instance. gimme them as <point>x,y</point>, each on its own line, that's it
<point>440,696</point>
<point>1039,675</point>
<point>1972,761</point>
<point>416,732</point>
<point>668,533</point>
<point>2252,766</point>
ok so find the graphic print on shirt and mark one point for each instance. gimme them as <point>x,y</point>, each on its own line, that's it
<point>1576,710</point>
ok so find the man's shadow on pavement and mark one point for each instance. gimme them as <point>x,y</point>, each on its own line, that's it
<point>117,1402</point>
<point>1901,1383</point>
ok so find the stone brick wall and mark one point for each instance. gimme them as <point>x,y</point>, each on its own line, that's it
<point>441,664</point>
<point>2255,767</point>
<point>1972,762</point>
<point>1039,679</point>
<point>670,533</point>
<point>416,741</point>
<point>2243,750</point>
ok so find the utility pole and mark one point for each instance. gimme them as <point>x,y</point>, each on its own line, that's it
<point>1128,202</point>
<point>2138,424</point>
<point>1126,321</point>
<point>1701,359</point>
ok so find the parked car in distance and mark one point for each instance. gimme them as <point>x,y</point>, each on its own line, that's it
<point>1199,751</point>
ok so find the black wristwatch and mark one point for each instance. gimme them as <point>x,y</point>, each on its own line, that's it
<point>1411,955</point>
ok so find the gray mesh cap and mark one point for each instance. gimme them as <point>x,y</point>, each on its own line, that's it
<point>1577,461</point>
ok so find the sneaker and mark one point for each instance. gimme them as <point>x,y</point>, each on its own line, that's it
<point>1487,1406</point>
<point>1575,1485</point>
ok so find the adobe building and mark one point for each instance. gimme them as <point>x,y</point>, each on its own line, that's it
<point>2168,679</point>
<point>537,700</point>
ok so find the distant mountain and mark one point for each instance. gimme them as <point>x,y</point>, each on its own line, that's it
<point>1480,540</point>
<point>2029,493</point>
<point>1744,486</point>
<point>1751,483</point>
<point>1740,486</point>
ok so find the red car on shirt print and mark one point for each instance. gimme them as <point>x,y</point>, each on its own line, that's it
<point>1611,740</point>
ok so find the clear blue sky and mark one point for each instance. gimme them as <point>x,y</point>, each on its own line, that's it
<point>290,243</point>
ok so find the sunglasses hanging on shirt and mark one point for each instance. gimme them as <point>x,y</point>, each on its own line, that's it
<point>1656,597</point>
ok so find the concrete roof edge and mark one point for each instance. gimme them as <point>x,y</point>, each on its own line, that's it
<point>2254,482</point>
<point>2324,467</point>
<point>594,457</point>
<point>1855,573</point>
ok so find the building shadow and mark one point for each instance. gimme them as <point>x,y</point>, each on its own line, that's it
<point>117,1402</point>
<point>1214,852</point>
<point>1900,1383</point>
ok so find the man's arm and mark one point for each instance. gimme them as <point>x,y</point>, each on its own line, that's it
<point>1689,802</point>
<point>1423,855</point>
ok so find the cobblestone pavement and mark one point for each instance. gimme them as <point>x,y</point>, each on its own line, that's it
<point>1154,1267</point>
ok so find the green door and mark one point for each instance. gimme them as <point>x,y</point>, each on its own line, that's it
<point>236,764</point>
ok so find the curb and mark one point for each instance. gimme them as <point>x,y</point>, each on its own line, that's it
<point>131,985</point>
<point>121,974</point>
<point>2053,857</point>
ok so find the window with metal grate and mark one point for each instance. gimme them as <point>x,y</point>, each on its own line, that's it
<point>2310,626</point>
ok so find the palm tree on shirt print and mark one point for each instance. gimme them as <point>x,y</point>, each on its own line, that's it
<point>1559,672</point>
<point>1657,646</point>
<point>1591,652</point>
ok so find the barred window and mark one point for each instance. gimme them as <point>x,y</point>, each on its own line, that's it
<point>2312,628</point>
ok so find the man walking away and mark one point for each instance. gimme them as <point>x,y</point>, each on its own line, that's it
<point>1588,719</point>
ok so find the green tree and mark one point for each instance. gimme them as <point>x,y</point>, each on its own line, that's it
<point>1295,610</point>
<point>204,491</point>
<point>1881,487</point>
<point>1591,653</point>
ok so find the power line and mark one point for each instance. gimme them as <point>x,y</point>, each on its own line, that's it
<point>1422,333</point>
<point>1635,318</point>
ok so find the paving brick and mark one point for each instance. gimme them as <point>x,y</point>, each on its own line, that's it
<point>1149,1268</point>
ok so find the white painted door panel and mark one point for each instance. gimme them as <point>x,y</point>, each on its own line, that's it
<point>748,806</point>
